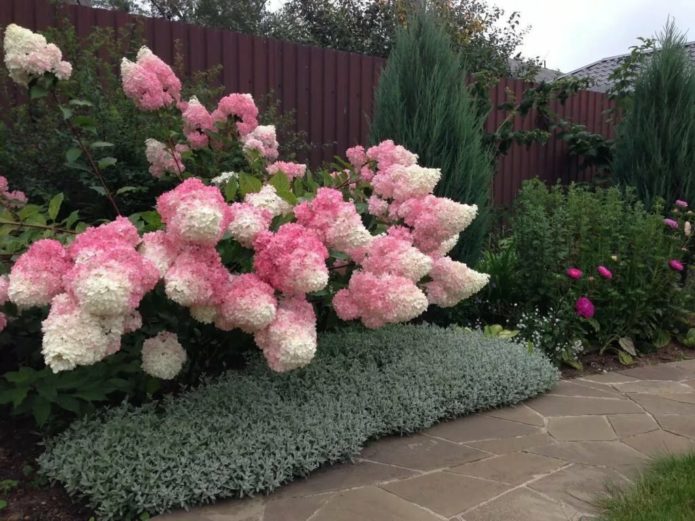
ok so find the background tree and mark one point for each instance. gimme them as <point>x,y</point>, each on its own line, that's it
<point>655,144</point>
<point>423,103</point>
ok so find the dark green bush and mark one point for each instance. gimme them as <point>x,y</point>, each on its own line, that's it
<point>246,433</point>
<point>655,146</point>
<point>422,102</point>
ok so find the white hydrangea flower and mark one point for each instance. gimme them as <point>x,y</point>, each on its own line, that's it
<point>224,177</point>
<point>204,314</point>
<point>269,199</point>
<point>199,223</point>
<point>163,356</point>
<point>449,244</point>
<point>104,291</point>
<point>413,181</point>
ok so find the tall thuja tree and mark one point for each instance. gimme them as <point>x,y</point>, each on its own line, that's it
<point>422,102</point>
<point>655,146</point>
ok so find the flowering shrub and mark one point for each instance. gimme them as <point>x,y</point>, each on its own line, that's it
<point>254,246</point>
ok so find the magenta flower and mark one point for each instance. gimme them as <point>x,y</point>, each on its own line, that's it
<point>671,224</point>
<point>574,273</point>
<point>675,265</point>
<point>585,308</point>
<point>604,272</point>
<point>680,203</point>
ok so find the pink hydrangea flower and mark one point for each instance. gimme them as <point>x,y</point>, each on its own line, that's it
<point>291,170</point>
<point>671,224</point>
<point>335,221</point>
<point>676,265</point>
<point>292,260</point>
<point>605,272</point>
<point>452,282</point>
<point>159,248</point>
<point>162,160</point>
<point>37,276</point>
<point>197,121</point>
<point>356,156</point>
<point>28,56</point>
<point>574,273</point>
<point>289,342</point>
<point>247,221</point>
<point>150,82</point>
<point>387,153</point>
<point>194,213</point>
<point>241,108</point>
<point>247,303</point>
<point>11,199</point>
<point>680,203</point>
<point>379,299</point>
<point>377,206</point>
<point>263,139</point>
<point>400,182</point>
<point>196,277</point>
<point>96,239</point>
<point>584,307</point>
<point>435,220</point>
<point>395,256</point>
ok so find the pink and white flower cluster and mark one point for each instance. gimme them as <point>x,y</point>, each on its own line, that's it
<point>28,56</point>
<point>150,82</point>
<point>94,287</point>
<point>11,198</point>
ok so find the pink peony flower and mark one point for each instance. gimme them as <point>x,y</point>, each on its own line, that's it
<point>676,265</point>
<point>584,307</point>
<point>671,224</point>
<point>574,273</point>
<point>604,272</point>
<point>680,203</point>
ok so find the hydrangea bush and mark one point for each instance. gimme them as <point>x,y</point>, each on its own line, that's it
<point>243,240</point>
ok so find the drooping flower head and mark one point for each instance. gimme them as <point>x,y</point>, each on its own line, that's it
<point>28,56</point>
<point>292,260</point>
<point>150,82</point>
<point>194,213</point>
<point>163,356</point>
<point>289,342</point>
<point>196,122</point>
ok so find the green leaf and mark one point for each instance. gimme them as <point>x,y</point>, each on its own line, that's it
<point>41,409</point>
<point>627,345</point>
<point>127,189</point>
<point>662,339</point>
<point>15,395</point>
<point>54,206</point>
<point>106,162</point>
<point>47,390</point>
<point>625,358</point>
<point>281,182</point>
<point>594,324</point>
<point>72,219</point>
<point>67,113</point>
<point>73,154</point>
<point>99,189</point>
<point>287,196</point>
<point>249,184</point>
<point>24,375</point>
<point>100,144</point>
<point>68,403</point>
<point>85,122</point>
<point>230,190</point>
<point>80,103</point>
<point>37,92</point>
<point>3,504</point>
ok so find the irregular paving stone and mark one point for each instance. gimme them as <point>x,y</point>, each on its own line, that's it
<point>549,405</point>
<point>519,413</point>
<point>371,504</point>
<point>343,476</point>
<point>515,468</point>
<point>683,425</point>
<point>293,508</point>
<point>580,486</point>
<point>581,428</point>
<point>679,397</point>
<point>608,378</point>
<point>659,372</point>
<point>479,427</point>
<point>522,505</point>
<point>691,383</point>
<point>630,424</point>
<point>689,365</point>
<point>660,405</point>
<point>230,510</point>
<point>660,443</point>
<point>654,387</point>
<point>420,452</point>
<point>602,453</point>
<point>445,492</point>
<point>576,388</point>
<point>508,445</point>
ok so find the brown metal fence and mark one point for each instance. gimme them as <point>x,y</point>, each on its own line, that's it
<point>331,92</point>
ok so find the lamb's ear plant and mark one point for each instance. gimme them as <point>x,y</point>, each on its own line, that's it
<point>248,432</point>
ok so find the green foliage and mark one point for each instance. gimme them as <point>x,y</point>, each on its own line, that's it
<point>422,103</point>
<point>655,145</point>
<point>665,491</point>
<point>249,432</point>
<point>555,229</point>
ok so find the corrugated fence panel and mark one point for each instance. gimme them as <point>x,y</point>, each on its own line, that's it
<point>330,93</point>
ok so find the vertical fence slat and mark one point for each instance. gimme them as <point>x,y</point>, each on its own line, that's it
<point>342,103</point>
<point>330,111</point>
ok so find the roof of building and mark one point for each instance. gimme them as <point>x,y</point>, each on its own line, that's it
<point>601,70</point>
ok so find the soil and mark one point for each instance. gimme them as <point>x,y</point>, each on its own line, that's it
<point>594,363</point>
<point>32,499</point>
<point>35,500</point>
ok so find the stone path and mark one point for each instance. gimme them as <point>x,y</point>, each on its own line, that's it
<point>545,460</point>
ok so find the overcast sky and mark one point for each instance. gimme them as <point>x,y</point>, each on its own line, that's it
<point>569,34</point>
